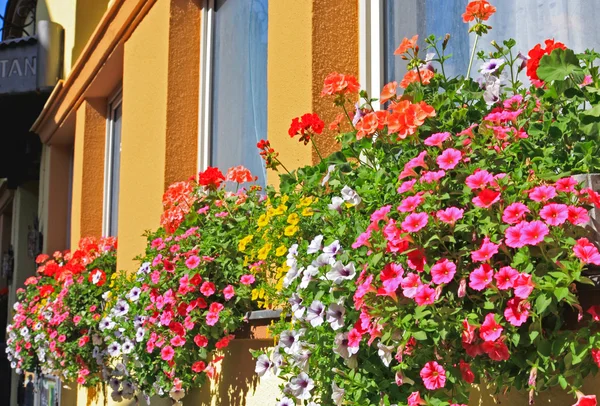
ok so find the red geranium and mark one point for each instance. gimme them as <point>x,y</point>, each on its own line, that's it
<point>536,54</point>
<point>211,177</point>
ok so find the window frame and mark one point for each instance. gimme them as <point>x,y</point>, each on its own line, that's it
<point>371,64</point>
<point>114,102</point>
<point>205,95</point>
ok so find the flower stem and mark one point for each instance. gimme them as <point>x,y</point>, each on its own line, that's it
<point>472,57</point>
<point>283,166</point>
<point>348,116</point>
<point>314,144</point>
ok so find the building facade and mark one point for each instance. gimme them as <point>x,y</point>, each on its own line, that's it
<point>152,91</point>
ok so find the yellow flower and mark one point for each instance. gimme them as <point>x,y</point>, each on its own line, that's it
<point>258,293</point>
<point>293,219</point>
<point>270,212</point>
<point>307,212</point>
<point>291,230</point>
<point>264,251</point>
<point>279,285</point>
<point>263,220</point>
<point>284,199</point>
<point>280,210</point>
<point>244,241</point>
<point>306,201</point>
<point>281,250</point>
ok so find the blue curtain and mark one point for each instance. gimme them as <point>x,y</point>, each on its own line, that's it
<point>239,84</point>
<point>573,22</point>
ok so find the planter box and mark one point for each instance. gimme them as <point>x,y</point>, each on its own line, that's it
<point>592,181</point>
<point>258,322</point>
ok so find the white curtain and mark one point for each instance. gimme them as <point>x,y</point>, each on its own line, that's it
<point>239,84</point>
<point>573,22</point>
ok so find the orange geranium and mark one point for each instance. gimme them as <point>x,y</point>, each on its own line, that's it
<point>406,44</point>
<point>388,91</point>
<point>423,75</point>
<point>239,174</point>
<point>337,83</point>
<point>479,9</point>
<point>406,117</point>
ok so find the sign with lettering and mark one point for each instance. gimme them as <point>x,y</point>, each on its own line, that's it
<point>18,65</point>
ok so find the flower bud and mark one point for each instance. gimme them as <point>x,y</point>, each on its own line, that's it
<point>462,288</point>
<point>446,39</point>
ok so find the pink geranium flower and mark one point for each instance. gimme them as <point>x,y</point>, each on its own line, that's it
<point>505,278</point>
<point>487,250</point>
<point>517,311</point>
<point>554,214</point>
<point>415,222</point>
<point>523,286</point>
<point>425,295</point>
<point>410,284</point>
<point>436,140</point>
<point>443,271</point>
<point>167,353</point>
<point>481,277</point>
<point>479,179</point>
<point>514,213</point>
<point>486,198</point>
<point>490,329</point>
<point>577,215</point>
<point>449,158</point>
<point>433,375</point>
<point>411,203</point>
<point>450,215</point>
<point>247,279</point>
<point>534,232</point>
<point>542,193</point>
<point>586,252</point>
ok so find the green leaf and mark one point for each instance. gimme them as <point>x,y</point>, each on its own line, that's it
<point>558,65</point>
<point>420,335</point>
<point>562,381</point>
<point>561,293</point>
<point>541,303</point>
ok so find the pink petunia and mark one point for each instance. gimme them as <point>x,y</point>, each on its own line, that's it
<point>212,318</point>
<point>167,353</point>
<point>586,251</point>
<point>416,260</point>
<point>425,295</point>
<point>410,203</point>
<point>487,250</point>
<point>566,184</point>
<point>513,236</point>
<point>497,350</point>
<point>177,341</point>
<point>436,140</point>
<point>415,222</point>
<point>554,214</point>
<point>517,311</point>
<point>450,215</point>
<point>523,285</point>
<point>505,278</point>
<point>247,279</point>
<point>391,276</point>
<point>449,158</point>
<point>542,193</point>
<point>192,262</point>
<point>490,329</point>
<point>433,375</point>
<point>207,289</point>
<point>410,284</point>
<point>228,292</point>
<point>481,277</point>
<point>586,400</point>
<point>443,271</point>
<point>432,176</point>
<point>534,232</point>
<point>380,214</point>
<point>407,186</point>
<point>486,198</point>
<point>418,161</point>
<point>468,333</point>
<point>354,338</point>
<point>514,213</point>
<point>415,399</point>
<point>479,179</point>
<point>577,215</point>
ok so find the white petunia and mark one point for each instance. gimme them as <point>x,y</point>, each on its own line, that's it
<point>315,313</point>
<point>315,245</point>
<point>335,316</point>
<point>350,196</point>
<point>336,203</point>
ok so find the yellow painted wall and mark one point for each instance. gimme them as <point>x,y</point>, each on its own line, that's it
<point>145,83</point>
<point>78,18</point>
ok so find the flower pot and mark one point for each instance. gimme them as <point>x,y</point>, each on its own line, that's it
<point>592,181</point>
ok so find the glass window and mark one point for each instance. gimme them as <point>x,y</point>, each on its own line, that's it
<point>236,69</point>
<point>529,22</point>
<point>112,167</point>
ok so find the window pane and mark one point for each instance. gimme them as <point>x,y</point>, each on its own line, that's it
<point>115,166</point>
<point>239,84</point>
<point>572,22</point>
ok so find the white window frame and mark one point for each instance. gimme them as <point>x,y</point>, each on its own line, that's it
<point>205,98</point>
<point>371,47</point>
<point>114,102</point>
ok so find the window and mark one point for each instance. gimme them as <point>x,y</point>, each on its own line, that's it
<point>385,22</point>
<point>112,165</point>
<point>233,105</point>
